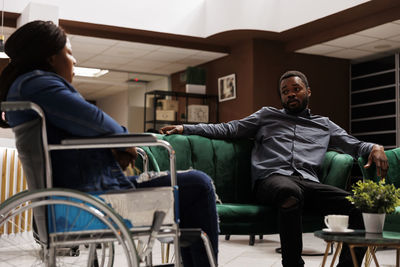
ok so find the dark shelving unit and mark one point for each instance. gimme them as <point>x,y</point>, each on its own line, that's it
<point>374,99</point>
<point>210,100</point>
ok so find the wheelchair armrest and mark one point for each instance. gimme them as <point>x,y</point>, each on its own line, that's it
<point>112,139</point>
<point>122,140</point>
<point>20,106</point>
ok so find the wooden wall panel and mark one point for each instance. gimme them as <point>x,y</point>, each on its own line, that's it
<point>258,65</point>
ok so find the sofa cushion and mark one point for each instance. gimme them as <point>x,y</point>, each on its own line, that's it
<point>202,156</point>
<point>244,219</point>
<point>236,213</point>
<point>336,169</point>
<point>227,162</point>
<point>182,149</point>
<point>392,221</point>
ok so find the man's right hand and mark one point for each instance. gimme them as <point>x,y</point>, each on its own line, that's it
<point>172,129</point>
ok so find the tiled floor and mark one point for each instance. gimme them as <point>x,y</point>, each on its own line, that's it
<point>237,253</point>
<point>233,253</point>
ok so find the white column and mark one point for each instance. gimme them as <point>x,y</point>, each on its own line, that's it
<point>136,92</point>
<point>37,11</point>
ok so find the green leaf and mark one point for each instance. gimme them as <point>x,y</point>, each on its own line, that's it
<point>372,197</point>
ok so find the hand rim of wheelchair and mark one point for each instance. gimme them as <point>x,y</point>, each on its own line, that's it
<point>98,208</point>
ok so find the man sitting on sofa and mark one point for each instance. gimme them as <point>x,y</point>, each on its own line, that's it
<point>290,145</point>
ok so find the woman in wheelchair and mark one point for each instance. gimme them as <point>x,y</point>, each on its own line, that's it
<point>41,71</point>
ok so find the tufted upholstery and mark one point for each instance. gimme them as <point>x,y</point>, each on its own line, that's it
<point>227,162</point>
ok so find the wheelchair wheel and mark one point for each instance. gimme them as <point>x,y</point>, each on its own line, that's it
<point>81,231</point>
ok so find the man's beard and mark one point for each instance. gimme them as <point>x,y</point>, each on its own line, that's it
<point>303,105</point>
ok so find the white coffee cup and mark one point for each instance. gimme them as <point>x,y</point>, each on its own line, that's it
<point>337,222</point>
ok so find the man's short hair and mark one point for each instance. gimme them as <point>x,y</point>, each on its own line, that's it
<point>292,73</point>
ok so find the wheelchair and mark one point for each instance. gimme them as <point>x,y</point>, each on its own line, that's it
<point>74,228</point>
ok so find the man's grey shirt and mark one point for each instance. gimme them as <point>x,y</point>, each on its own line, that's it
<point>285,143</point>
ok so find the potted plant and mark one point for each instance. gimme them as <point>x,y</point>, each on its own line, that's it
<point>375,200</point>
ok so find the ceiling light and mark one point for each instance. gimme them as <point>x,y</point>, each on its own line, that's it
<point>89,72</point>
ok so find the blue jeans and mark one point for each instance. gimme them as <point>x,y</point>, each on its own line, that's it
<point>197,210</point>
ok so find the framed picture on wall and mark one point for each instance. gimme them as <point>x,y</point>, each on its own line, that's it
<point>227,87</point>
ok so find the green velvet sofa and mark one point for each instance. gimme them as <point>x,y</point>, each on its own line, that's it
<point>227,162</point>
<point>392,221</point>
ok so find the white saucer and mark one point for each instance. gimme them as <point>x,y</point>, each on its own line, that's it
<point>345,231</point>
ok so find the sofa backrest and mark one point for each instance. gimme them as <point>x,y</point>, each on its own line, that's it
<point>228,163</point>
<point>393,175</point>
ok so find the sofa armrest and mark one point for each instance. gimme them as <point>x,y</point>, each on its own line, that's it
<point>393,175</point>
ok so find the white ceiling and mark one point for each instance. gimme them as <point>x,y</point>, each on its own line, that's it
<point>137,60</point>
<point>368,43</point>
<point>127,60</point>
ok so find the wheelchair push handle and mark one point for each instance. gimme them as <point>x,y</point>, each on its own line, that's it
<point>17,105</point>
<point>21,106</point>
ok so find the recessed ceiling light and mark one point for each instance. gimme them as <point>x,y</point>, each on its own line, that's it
<point>89,72</point>
<point>384,46</point>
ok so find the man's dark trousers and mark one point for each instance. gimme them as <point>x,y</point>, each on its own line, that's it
<point>307,195</point>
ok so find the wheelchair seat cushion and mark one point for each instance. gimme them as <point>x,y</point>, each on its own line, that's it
<point>136,207</point>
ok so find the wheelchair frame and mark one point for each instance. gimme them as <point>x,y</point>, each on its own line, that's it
<point>15,205</point>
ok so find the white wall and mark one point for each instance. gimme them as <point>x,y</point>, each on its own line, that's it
<point>160,84</point>
<point>116,106</point>
<point>136,91</point>
<point>136,94</point>
<point>7,138</point>
<point>127,107</point>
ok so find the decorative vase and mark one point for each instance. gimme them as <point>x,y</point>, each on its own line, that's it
<point>374,222</point>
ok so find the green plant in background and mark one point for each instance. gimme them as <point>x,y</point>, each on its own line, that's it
<point>372,197</point>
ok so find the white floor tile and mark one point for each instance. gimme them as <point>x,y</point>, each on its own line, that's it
<point>237,253</point>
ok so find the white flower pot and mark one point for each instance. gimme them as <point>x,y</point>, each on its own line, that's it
<point>374,222</point>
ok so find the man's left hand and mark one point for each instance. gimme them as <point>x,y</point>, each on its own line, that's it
<point>378,156</point>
